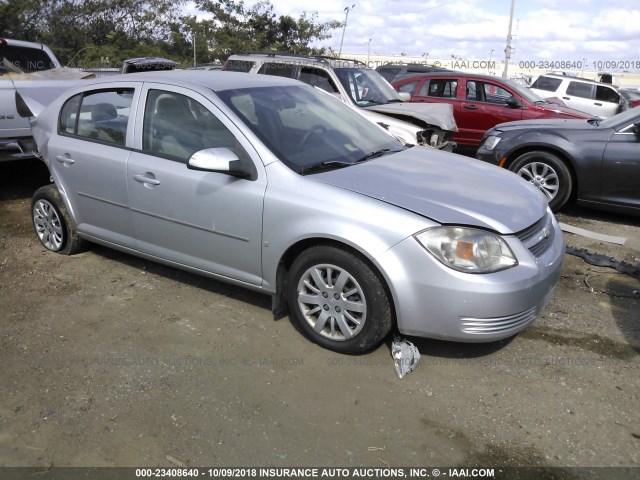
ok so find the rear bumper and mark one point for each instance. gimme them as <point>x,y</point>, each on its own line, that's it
<point>17,149</point>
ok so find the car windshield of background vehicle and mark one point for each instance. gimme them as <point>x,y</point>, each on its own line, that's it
<point>524,92</point>
<point>306,128</point>
<point>548,84</point>
<point>367,87</point>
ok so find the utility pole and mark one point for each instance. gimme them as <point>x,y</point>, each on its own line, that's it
<point>346,17</point>
<point>194,49</point>
<point>507,50</point>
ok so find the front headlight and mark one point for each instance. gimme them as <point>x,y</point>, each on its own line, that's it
<point>491,142</point>
<point>468,249</point>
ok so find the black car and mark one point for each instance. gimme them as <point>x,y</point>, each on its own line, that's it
<point>595,161</point>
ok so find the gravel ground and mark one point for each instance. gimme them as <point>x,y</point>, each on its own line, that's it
<point>110,360</point>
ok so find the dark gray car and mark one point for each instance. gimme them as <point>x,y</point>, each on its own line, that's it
<point>267,183</point>
<point>596,161</point>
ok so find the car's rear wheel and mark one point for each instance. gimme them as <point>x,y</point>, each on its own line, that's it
<point>338,301</point>
<point>548,173</point>
<point>53,226</point>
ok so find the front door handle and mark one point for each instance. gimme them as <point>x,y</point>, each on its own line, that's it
<point>470,107</point>
<point>598,104</point>
<point>65,159</point>
<point>566,98</point>
<point>143,178</point>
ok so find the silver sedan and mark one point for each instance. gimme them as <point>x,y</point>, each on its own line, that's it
<point>267,183</point>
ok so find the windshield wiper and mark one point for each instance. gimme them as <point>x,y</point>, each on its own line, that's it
<point>376,154</point>
<point>328,165</point>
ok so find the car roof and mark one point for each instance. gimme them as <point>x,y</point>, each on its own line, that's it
<point>449,74</point>
<point>215,80</point>
<point>571,78</point>
<point>302,59</point>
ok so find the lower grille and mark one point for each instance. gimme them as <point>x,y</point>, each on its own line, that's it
<point>479,326</point>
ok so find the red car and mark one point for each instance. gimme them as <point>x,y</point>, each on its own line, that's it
<point>480,102</point>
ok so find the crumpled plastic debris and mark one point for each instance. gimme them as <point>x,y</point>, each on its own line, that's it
<point>405,356</point>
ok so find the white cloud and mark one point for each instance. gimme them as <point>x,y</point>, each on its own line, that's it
<point>543,29</point>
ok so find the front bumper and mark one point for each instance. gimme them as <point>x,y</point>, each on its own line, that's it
<point>432,300</point>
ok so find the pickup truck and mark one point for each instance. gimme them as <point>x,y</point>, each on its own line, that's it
<point>33,68</point>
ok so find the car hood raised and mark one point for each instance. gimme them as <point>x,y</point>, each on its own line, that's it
<point>447,188</point>
<point>438,114</point>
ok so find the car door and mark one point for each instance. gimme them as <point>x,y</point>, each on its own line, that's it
<point>581,95</point>
<point>442,90</point>
<point>621,168</point>
<point>483,107</point>
<point>89,160</point>
<point>206,220</point>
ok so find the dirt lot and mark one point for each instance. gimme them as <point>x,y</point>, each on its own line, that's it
<point>109,360</point>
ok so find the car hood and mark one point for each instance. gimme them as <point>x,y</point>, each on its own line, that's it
<point>447,188</point>
<point>560,110</point>
<point>438,114</point>
<point>551,123</point>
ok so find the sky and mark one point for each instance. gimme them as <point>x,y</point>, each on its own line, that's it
<point>589,31</point>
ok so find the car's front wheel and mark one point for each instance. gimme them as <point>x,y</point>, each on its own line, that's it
<point>338,301</point>
<point>53,226</point>
<point>548,173</point>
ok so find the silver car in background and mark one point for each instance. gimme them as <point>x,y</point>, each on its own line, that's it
<point>266,183</point>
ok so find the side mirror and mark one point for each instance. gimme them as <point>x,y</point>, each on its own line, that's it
<point>636,128</point>
<point>514,102</point>
<point>404,96</point>
<point>220,160</point>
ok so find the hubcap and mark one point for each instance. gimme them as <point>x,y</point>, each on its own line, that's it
<point>48,225</point>
<point>332,302</point>
<point>542,176</point>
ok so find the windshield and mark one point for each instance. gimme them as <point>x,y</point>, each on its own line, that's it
<point>525,92</point>
<point>306,128</point>
<point>622,120</point>
<point>366,87</point>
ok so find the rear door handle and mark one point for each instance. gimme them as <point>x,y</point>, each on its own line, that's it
<point>598,104</point>
<point>470,107</point>
<point>142,178</point>
<point>65,159</point>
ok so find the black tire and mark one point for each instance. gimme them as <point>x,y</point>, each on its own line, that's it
<point>549,173</point>
<point>353,323</point>
<point>53,226</point>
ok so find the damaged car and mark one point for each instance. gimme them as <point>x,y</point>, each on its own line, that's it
<point>361,87</point>
<point>269,184</point>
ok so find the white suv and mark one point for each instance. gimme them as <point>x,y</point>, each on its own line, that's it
<point>589,96</point>
<point>359,87</point>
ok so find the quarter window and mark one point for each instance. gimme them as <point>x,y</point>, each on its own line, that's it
<point>277,69</point>
<point>176,126</point>
<point>99,115</point>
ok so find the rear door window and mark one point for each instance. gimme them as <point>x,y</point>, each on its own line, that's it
<point>101,115</point>
<point>444,88</point>
<point>580,89</point>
